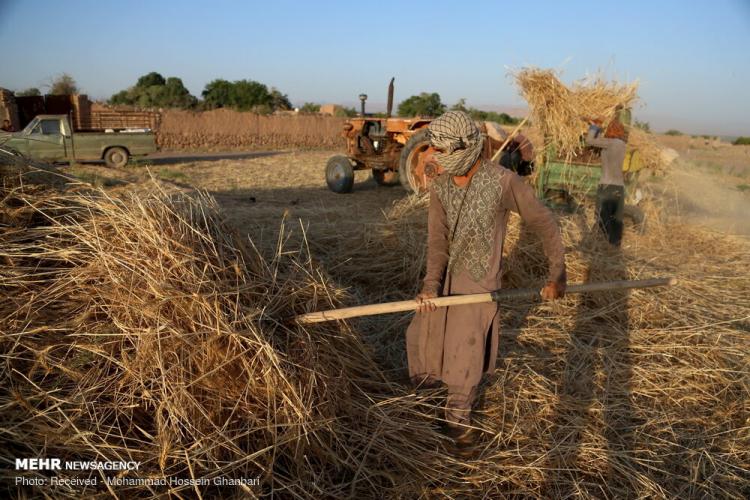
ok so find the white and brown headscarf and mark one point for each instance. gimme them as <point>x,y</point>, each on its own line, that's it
<point>459,139</point>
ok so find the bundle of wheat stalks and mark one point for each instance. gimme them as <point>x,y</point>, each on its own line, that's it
<point>562,113</point>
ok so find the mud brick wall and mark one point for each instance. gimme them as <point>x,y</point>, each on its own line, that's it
<point>224,129</point>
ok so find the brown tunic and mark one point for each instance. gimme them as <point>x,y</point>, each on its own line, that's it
<point>457,344</point>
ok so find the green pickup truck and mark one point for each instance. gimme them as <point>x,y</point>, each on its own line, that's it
<point>51,138</point>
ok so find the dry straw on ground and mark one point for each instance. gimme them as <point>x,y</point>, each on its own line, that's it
<point>614,394</point>
<point>142,327</point>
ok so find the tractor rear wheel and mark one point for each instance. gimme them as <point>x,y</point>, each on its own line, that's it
<point>410,168</point>
<point>339,174</point>
<point>385,177</point>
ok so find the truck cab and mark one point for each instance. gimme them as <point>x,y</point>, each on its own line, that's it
<point>51,138</point>
<point>46,137</point>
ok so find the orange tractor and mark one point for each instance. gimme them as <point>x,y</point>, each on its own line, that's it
<point>395,149</point>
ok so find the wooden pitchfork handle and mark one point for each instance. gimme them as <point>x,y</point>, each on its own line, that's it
<point>476,298</point>
<point>508,139</point>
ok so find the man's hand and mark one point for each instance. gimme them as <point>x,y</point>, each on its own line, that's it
<point>553,290</point>
<point>423,298</point>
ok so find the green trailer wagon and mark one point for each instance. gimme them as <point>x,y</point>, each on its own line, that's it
<point>564,184</point>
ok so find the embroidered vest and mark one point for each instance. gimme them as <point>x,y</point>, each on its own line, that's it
<point>471,213</point>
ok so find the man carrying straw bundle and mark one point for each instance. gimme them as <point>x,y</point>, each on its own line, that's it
<point>469,208</point>
<point>610,195</point>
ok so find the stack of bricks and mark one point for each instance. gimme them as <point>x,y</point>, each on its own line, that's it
<point>81,111</point>
<point>8,108</point>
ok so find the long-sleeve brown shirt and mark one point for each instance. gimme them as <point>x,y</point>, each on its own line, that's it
<point>450,344</point>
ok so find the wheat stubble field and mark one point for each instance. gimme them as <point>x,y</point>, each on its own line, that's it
<point>188,362</point>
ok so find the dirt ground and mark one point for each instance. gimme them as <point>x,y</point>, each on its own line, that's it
<point>258,192</point>
<point>710,183</point>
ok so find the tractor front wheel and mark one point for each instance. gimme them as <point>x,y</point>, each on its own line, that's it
<point>340,174</point>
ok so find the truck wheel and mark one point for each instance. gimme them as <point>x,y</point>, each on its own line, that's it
<point>410,169</point>
<point>339,174</point>
<point>385,177</point>
<point>116,157</point>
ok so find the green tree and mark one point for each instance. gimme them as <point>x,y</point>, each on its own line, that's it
<point>491,116</point>
<point>175,95</point>
<point>672,132</point>
<point>309,108</point>
<point>150,80</point>
<point>742,141</point>
<point>122,97</point>
<point>244,95</point>
<point>344,112</point>
<point>460,106</point>
<point>279,101</point>
<point>488,116</point>
<point>217,93</point>
<point>152,90</point>
<point>63,85</point>
<point>424,104</point>
<point>31,91</point>
<point>247,94</point>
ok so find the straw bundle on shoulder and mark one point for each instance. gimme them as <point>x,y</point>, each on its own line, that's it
<point>562,113</point>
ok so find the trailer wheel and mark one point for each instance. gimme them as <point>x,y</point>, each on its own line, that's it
<point>116,157</point>
<point>385,177</point>
<point>339,174</point>
<point>635,213</point>
<point>409,169</point>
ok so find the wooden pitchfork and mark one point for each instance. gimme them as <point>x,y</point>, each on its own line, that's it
<point>476,298</point>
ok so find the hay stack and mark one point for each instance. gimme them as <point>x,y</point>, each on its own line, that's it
<point>144,329</point>
<point>561,113</point>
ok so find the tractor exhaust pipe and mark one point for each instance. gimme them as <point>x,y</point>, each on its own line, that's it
<point>363,98</point>
<point>389,109</point>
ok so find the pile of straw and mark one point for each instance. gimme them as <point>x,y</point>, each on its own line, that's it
<point>142,328</point>
<point>562,113</point>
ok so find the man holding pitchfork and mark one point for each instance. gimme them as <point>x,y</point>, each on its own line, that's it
<point>470,204</point>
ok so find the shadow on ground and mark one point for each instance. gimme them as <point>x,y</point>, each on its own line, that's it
<point>173,158</point>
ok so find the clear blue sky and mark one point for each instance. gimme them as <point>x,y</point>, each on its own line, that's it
<point>692,58</point>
